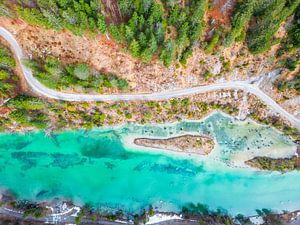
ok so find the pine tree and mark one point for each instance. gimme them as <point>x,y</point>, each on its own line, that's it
<point>135,48</point>
<point>101,24</point>
<point>114,32</point>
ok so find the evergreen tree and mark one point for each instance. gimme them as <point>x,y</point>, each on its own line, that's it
<point>134,47</point>
<point>113,30</point>
<point>101,24</point>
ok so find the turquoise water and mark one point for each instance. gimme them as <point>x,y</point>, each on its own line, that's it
<point>101,167</point>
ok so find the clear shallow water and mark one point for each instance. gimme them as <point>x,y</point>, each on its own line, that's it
<point>97,167</point>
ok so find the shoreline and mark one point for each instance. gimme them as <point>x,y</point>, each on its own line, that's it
<point>66,212</point>
<point>121,125</point>
<point>129,140</point>
<point>121,135</point>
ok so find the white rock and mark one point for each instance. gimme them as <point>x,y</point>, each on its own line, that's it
<point>257,220</point>
<point>161,217</point>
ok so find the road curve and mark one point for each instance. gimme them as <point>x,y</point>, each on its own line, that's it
<point>37,87</point>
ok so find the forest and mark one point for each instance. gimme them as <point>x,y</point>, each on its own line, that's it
<point>169,29</point>
<point>267,15</point>
<point>75,77</point>
<point>76,16</point>
<point>148,29</point>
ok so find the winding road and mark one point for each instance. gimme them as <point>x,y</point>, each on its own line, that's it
<point>247,86</point>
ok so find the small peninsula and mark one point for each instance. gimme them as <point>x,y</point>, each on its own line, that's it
<point>281,164</point>
<point>193,144</point>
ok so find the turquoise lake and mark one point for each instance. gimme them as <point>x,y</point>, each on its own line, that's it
<point>102,167</point>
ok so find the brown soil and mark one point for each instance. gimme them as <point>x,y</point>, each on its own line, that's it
<point>187,143</point>
<point>220,12</point>
<point>4,111</point>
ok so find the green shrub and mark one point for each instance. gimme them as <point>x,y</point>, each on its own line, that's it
<point>26,102</point>
<point>214,41</point>
<point>56,76</point>
<point>207,75</point>
<point>291,64</point>
<point>4,75</point>
<point>6,60</point>
<point>82,71</point>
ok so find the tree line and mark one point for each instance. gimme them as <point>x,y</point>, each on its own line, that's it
<point>267,15</point>
<point>76,16</point>
<point>169,29</point>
